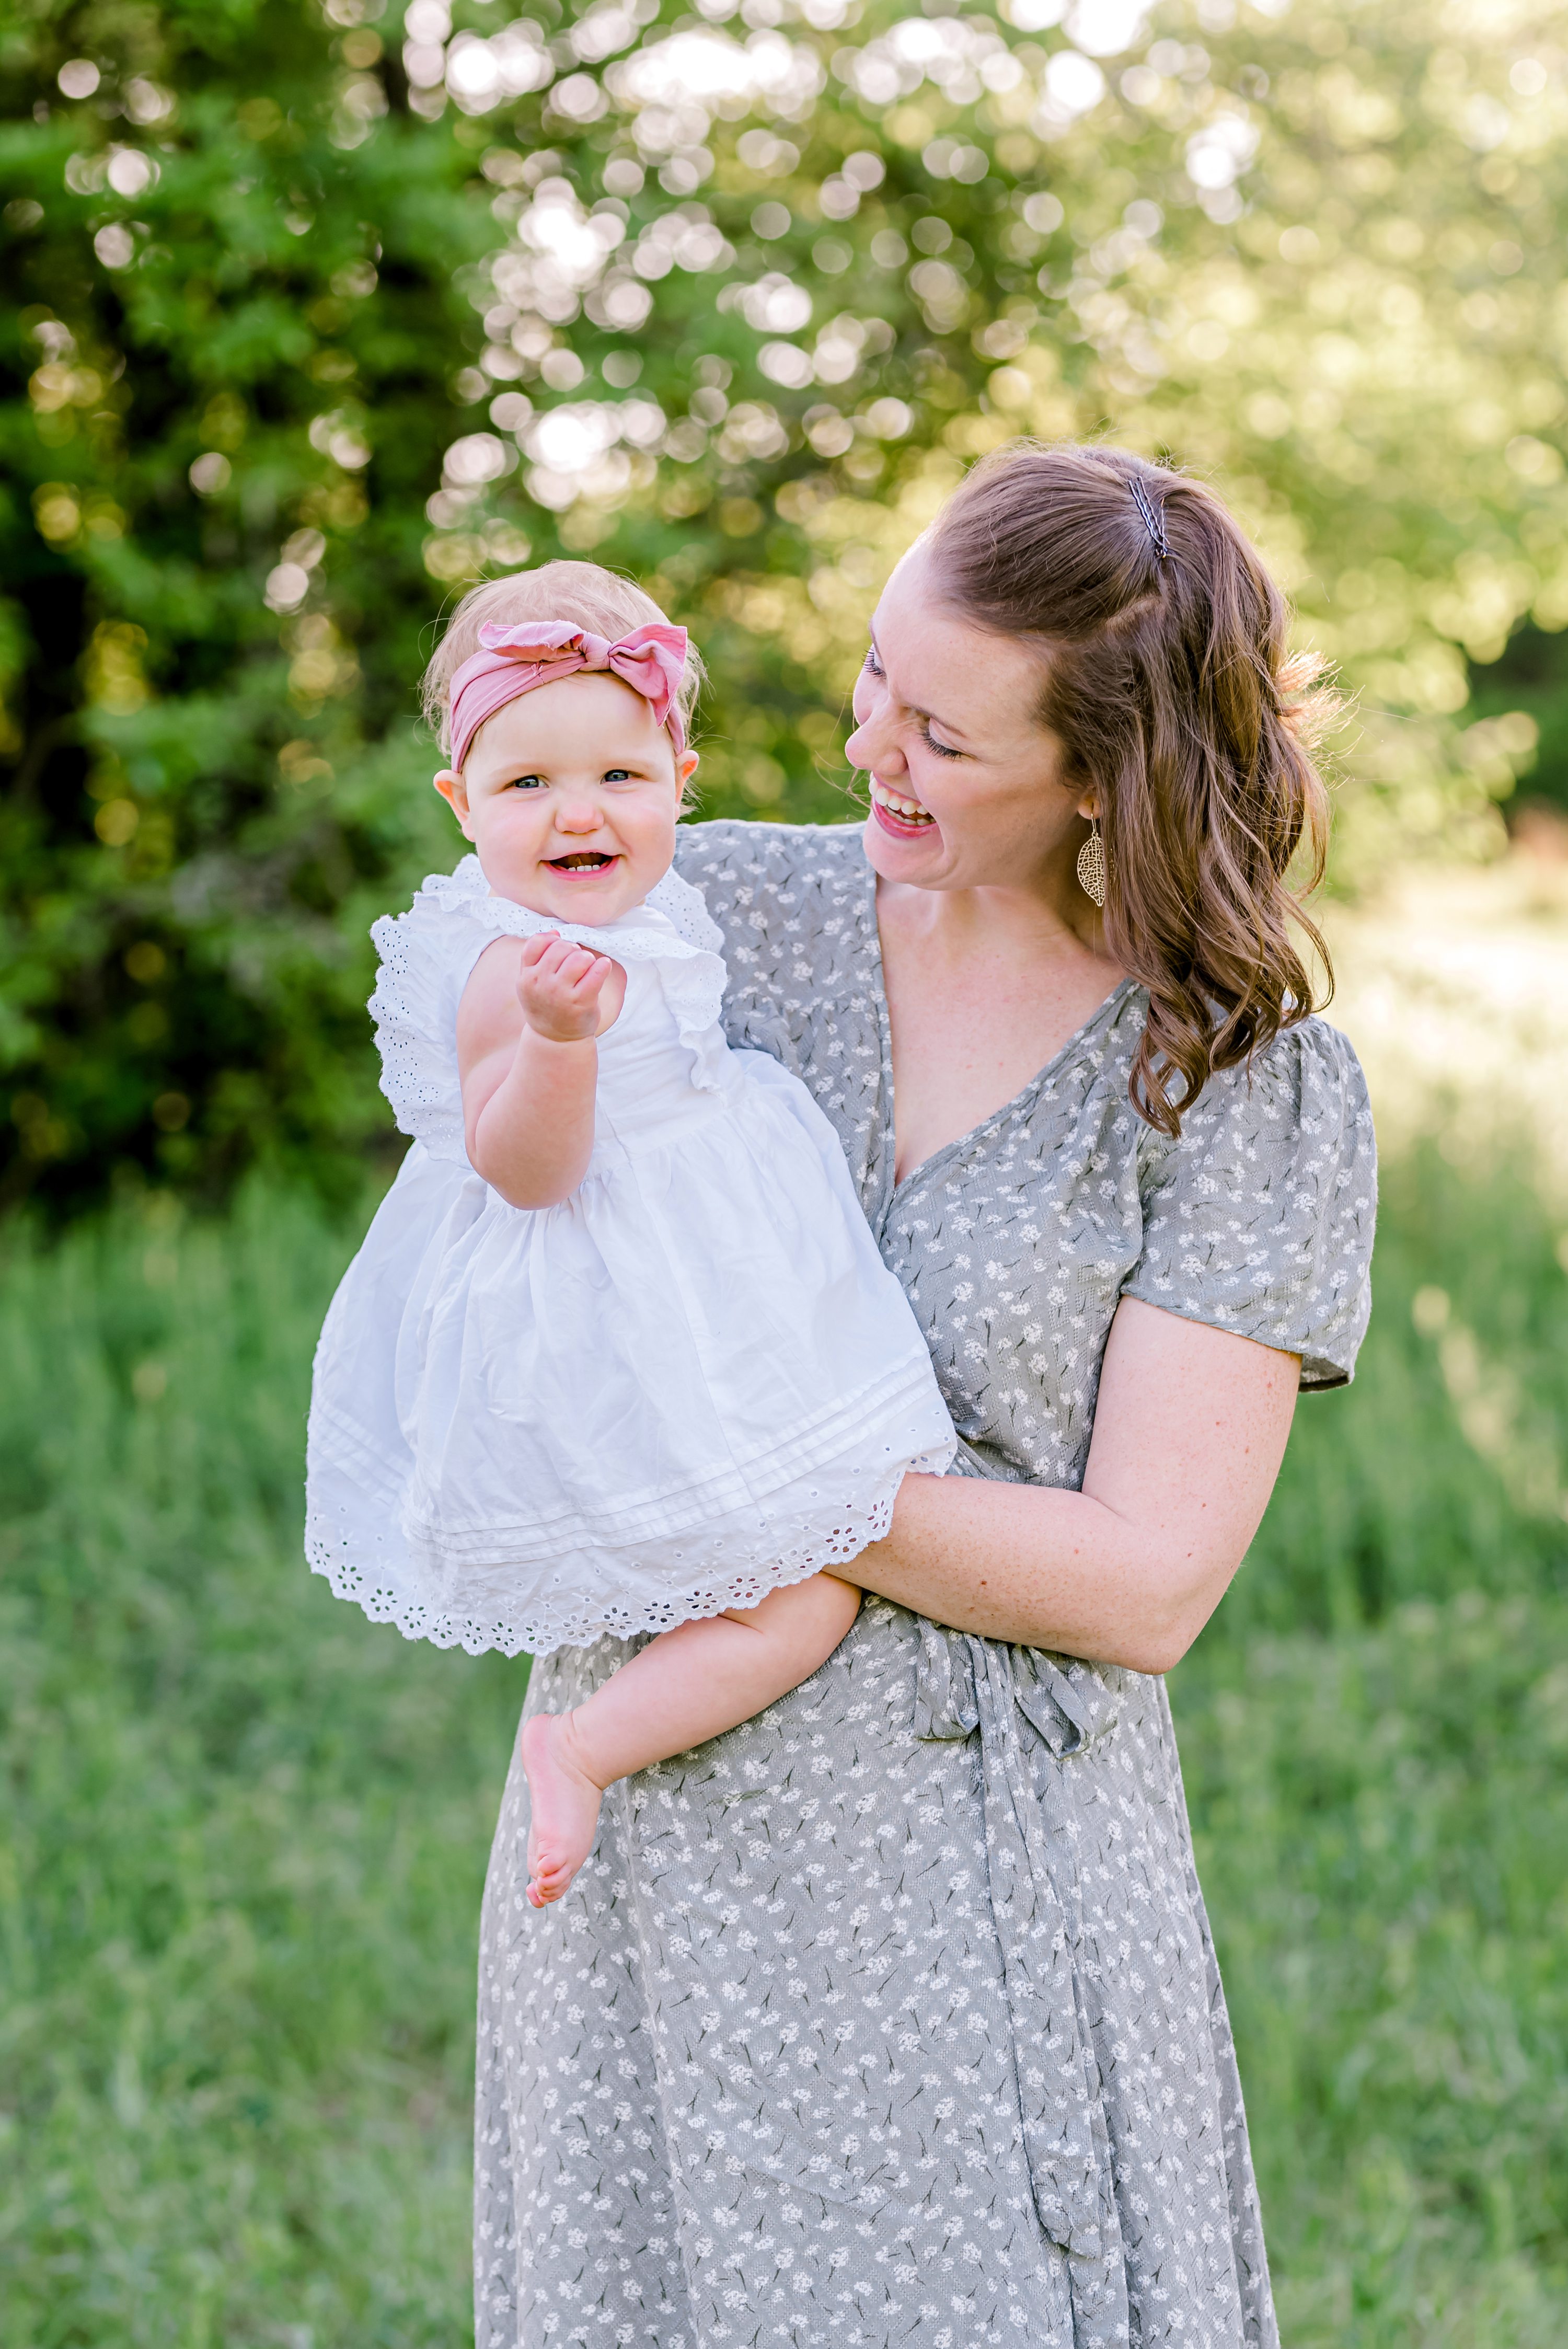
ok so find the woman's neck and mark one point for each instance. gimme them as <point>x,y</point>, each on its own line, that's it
<point>984,988</point>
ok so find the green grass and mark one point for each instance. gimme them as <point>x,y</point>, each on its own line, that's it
<point>244,1832</point>
<point>1375,1737</point>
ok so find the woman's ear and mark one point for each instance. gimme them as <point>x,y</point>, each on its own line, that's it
<point>454,790</point>
<point>1087,807</point>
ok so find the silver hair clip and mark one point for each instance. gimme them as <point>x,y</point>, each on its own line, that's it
<point>1152,517</point>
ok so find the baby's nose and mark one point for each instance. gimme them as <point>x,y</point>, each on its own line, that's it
<point>577,816</point>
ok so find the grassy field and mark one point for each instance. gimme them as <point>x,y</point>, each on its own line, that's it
<point>244,1832</point>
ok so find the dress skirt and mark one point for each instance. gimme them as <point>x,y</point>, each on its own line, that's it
<point>890,2017</point>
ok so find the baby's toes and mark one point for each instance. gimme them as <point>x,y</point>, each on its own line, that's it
<point>552,1869</point>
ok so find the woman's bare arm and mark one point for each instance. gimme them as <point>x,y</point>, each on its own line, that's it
<point>1190,1430</point>
<point>528,1063</point>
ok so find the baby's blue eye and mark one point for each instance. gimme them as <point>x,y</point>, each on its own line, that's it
<point>617,775</point>
<point>527,782</point>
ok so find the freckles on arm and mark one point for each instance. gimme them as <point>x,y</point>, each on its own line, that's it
<point>1190,1428</point>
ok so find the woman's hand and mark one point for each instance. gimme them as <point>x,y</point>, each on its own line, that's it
<point>1189,1429</point>
<point>558,987</point>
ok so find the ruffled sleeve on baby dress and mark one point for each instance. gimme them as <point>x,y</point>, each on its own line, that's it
<point>428,955</point>
<point>1259,1219</point>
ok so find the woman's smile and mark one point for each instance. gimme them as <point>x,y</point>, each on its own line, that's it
<point>899,814</point>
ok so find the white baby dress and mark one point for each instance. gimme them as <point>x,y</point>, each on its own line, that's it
<point>688,1384</point>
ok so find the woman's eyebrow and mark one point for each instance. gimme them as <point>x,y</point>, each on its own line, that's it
<point>932,716</point>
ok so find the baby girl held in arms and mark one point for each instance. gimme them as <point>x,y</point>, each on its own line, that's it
<point>591,1371</point>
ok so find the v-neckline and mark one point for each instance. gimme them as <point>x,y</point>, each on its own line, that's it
<point>960,1142</point>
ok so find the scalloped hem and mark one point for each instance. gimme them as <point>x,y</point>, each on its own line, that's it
<point>421,1610</point>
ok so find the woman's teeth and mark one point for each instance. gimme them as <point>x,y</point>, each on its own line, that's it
<point>907,811</point>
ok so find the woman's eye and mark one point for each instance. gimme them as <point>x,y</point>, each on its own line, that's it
<point>873,664</point>
<point>942,750</point>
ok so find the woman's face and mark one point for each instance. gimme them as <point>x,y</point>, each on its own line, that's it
<point>966,786</point>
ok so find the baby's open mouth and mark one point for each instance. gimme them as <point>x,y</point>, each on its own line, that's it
<point>583,860</point>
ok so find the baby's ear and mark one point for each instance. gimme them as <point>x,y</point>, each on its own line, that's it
<point>453,789</point>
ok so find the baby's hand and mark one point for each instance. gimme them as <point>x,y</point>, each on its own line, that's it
<point>559,985</point>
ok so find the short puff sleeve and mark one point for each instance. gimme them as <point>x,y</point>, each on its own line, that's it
<point>1259,1219</point>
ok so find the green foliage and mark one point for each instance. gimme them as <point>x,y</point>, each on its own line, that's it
<point>244,1833</point>
<point>306,323</point>
<point>201,814</point>
<point>1529,681</point>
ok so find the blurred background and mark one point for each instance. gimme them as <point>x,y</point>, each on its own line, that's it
<point>312,315</point>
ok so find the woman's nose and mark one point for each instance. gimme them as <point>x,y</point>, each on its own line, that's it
<point>873,748</point>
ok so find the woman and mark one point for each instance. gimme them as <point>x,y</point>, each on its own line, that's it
<point>892,2016</point>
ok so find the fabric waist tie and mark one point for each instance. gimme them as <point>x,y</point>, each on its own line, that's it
<point>962,1685</point>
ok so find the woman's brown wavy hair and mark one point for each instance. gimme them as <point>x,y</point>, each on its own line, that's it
<point>1168,684</point>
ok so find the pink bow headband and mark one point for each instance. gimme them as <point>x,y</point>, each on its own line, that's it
<point>652,660</point>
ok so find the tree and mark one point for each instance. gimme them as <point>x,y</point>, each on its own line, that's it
<point>323,314</point>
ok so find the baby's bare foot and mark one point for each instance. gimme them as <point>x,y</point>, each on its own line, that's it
<point>565,1801</point>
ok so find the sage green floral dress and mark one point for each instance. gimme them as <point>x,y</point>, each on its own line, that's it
<point>892,2016</point>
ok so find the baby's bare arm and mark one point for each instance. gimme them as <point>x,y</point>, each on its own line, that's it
<point>701,1679</point>
<point>528,1063</point>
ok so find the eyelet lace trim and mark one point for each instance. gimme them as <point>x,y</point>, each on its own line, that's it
<point>427,953</point>
<point>472,1609</point>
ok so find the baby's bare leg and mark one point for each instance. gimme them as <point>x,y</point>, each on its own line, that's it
<point>685,1686</point>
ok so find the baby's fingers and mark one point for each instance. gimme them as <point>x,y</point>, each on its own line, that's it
<point>555,963</point>
<point>587,982</point>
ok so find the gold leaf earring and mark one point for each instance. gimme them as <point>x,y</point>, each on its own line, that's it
<point>1092,866</point>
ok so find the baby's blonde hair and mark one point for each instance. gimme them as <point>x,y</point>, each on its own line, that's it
<point>584,594</point>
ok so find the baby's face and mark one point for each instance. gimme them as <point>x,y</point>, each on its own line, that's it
<point>569,794</point>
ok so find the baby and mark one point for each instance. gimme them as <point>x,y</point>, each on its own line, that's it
<point>619,1354</point>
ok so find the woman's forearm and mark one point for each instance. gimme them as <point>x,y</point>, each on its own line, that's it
<point>1190,1428</point>
<point>1043,1568</point>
